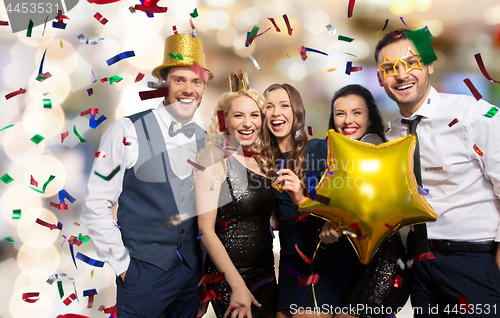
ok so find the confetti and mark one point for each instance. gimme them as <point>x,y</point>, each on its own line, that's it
<point>401,18</point>
<point>120,57</point>
<point>90,91</point>
<point>151,8</point>
<point>453,122</point>
<point>92,274</point>
<point>7,127</point>
<point>254,61</point>
<point>251,35</point>
<point>322,199</point>
<point>6,178</point>
<point>422,39</point>
<point>16,214</point>
<point>250,154</point>
<point>477,150</point>
<point>211,279</point>
<point>349,68</point>
<point>197,237</point>
<point>262,283</point>
<point>73,240</point>
<point>95,78</point>
<point>64,241</point>
<point>91,111</point>
<point>176,56</point>
<point>223,223</point>
<point>15,93</point>
<point>290,30</point>
<point>222,121</point>
<point>93,123</point>
<point>76,223</point>
<point>69,299</point>
<point>303,54</point>
<point>139,77</point>
<point>47,103</point>
<point>396,281</point>
<point>174,28</point>
<point>392,228</point>
<point>45,25</point>
<point>63,195</point>
<point>90,294</point>
<point>60,41</point>
<point>493,110</point>
<point>304,257</point>
<point>423,191</point>
<point>64,135</point>
<point>102,1</point>
<point>212,187</point>
<point>43,77</point>
<point>52,278</point>
<point>401,264</point>
<point>100,18</point>
<point>423,257</point>
<point>82,140</point>
<point>4,22</point>
<point>44,185</point>
<point>345,38</point>
<point>61,290</point>
<point>480,63</point>
<point>291,270</point>
<point>99,154</point>
<point>357,230</point>
<point>8,239</point>
<point>179,254</point>
<point>385,25</point>
<point>28,297</point>
<point>272,230</point>
<point>309,130</point>
<point>132,10</point>
<point>49,225</point>
<point>30,29</point>
<point>114,79</point>
<point>464,303</point>
<point>109,310</point>
<point>125,142</point>
<point>350,8</point>
<point>191,23</point>
<point>275,25</point>
<point>84,40</point>
<point>195,13</point>
<point>308,280</point>
<point>301,218</point>
<point>200,71</point>
<point>331,29</point>
<point>111,175</point>
<point>60,206</point>
<point>88,260</point>
<point>197,166</point>
<point>205,296</point>
<point>332,69</point>
<point>162,92</point>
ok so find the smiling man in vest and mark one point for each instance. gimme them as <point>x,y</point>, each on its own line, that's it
<point>156,258</point>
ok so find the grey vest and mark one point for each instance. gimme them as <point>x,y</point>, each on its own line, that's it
<point>151,195</point>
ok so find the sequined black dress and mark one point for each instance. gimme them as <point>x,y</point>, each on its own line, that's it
<point>243,226</point>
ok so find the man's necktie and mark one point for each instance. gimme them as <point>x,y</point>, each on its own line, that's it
<point>187,130</point>
<point>421,244</point>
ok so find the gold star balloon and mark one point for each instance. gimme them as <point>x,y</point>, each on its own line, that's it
<point>369,190</point>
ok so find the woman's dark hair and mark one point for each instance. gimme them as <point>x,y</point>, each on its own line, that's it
<point>377,125</point>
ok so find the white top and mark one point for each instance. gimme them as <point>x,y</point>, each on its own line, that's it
<point>102,195</point>
<point>464,188</point>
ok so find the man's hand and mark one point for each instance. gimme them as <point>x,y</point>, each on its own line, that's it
<point>122,275</point>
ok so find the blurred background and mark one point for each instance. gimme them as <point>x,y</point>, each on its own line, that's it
<point>461,28</point>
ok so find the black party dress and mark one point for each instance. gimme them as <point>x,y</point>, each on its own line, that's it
<point>243,227</point>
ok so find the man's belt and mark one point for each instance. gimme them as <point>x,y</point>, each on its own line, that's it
<point>464,247</point>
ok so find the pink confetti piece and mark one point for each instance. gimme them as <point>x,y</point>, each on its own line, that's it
<point>60,206</point>
<point>200,71</point>
<point>350,8</point>
<point>197,166</point>
<point>191,23</point>
<point>453,122</point>
<point>287,55</point>
<point>304,257</point>
<point>390,227</point>
<point>303,54</point>
<point>473,89</point>
<point>64,135</point>
<point>46,93</point>
<point>308,280</point>
<point>287,22</point>
<point>91,111</point>
<point>77,224</point>
<point>275,25</point>
<point>139,77</point>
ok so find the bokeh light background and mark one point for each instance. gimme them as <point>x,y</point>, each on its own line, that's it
<point>462,29</point>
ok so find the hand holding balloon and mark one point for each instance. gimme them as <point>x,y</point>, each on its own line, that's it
<point>328,235</point>
<point>291,184</point>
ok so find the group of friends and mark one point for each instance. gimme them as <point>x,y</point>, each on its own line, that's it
<point>192,203</point>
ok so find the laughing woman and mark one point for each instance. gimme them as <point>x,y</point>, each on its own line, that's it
<point>235,201</point>
<point>285,139</point>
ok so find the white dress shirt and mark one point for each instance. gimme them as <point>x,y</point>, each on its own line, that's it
<point>464,187</point>
<point>102,195</point>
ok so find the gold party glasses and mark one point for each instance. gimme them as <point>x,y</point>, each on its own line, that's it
<point>410,61</point>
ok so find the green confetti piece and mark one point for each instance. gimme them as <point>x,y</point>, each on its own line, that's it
<point>82,140</point>
<point>251,35</point>
<point>8,239</point>
<point>493,110</point>
<point>7,127</point>
<point>345,38</point>
<point>37,139</point>
<point>195,13</point>
<point>47,103</point>
<point>173,56</point>
<point>83,238</point>
<point>111,175</point>
<point>61,291</point>
<point>44,185</point>
<point>16,214</point>
<point>422,39</point>
<point>30,28</point>
<point>6,178</point>
<point>114,79</point>
<point>40,77</point>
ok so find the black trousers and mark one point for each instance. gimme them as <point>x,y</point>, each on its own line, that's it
<point>442,287</point>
